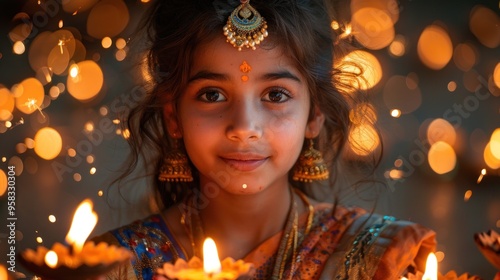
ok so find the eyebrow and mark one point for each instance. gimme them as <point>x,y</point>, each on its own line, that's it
<point>207,75</point>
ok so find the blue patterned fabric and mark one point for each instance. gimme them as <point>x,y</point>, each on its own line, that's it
<point>151,242</point>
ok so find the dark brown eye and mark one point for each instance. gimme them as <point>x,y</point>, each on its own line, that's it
<point>277,95</point>
<point>211,95</point>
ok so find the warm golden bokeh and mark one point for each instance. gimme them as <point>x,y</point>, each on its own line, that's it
<point>452,86</point>
<point>29,95</point>
<point>496,75</point>
<point>363,139</point>
<point>22,27</point>
<point>48,143</point>
<point>18,163</point>
<point>107,18</point>
<point>484,23</point>
<point>495,143</point>
<point>442,158</point>
<point>398,94</point>
<point>7,103</point>
<point>441,130</point>
<point>86,81</point>
<point>373,28</point>
<point>489,159</point>
<point>397,47</point>
<point>389,7</point>
<point>434,47</point>
<point>3,182</point>
<point>106,42</point>
<point>120,43</point>
<point>368,64</point>
<point>464,57</point>
<point>77,6</point>
<point>58,59</point>
<point>363,113</point>
<point>18,47</point>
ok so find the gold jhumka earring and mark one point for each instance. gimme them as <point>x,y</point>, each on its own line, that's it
<point>310,166</point>
<point>245,27</point>
<point>175,167</point>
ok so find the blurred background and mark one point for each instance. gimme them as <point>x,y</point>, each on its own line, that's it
<point>69,74</point>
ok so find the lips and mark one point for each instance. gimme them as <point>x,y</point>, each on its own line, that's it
<point>244,162</point>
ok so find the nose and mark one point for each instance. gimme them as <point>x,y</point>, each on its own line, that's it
<point>244,121</point>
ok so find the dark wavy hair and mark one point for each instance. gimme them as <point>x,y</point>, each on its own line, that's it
<point>174,28</point>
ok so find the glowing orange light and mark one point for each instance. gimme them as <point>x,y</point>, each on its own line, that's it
<point>364,63</point>
<point>29,95</point>
<point>434,47</point>
<point>484,24</point>
<point>107,18</point>
<point>18,47</point>
<point>495,143</point>
<point>48,143</point>
<point>106,42</point>
<point>211,262</point>
<point>467,195</point>
<point>7,103</point>
<point>496,75</point>
<point>3,182</point>
<point>431,268</point>
<point>373,28</point>
<point>452,86</point>
<point>82,225</point>
<point>395,113</point>
<point>51,259</point>
<point>489,159</point>
<point>442,158</point>
<point>441,130</point>
<point>87,83</point>
<point>363,139</point>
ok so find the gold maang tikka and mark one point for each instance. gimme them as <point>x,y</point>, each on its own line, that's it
<point>245,27</point>
<point>310,166</point>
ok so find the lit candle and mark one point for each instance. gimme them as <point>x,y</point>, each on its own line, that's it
<point>431,271</point>
<point>211,268</point>
<point>83,223</point>
<point>211,262</point>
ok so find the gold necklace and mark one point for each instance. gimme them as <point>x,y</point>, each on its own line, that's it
<point>288,242</point>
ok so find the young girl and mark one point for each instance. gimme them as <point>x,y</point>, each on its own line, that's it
<point>245,112</point>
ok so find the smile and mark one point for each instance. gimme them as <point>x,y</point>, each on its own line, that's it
<point>244,163</point>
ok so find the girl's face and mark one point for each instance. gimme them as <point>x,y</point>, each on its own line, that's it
<point>243,117</point>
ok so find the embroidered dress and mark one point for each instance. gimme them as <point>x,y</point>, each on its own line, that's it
<point>351,244</point>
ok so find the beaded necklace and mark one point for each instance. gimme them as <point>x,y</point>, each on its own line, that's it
<point>289,241</point>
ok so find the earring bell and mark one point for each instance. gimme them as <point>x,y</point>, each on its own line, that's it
<point>310,166</point>
<point>245,27</point>
<point>175,167</point>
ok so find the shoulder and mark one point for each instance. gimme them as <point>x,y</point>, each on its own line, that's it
<point>381,247</point>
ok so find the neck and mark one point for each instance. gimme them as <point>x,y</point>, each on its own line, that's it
<point>239,223</point>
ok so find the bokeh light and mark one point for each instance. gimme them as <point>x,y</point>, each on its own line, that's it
<point>7,103</point>
<point>434,47</point>
<point>29,95</point>
<point>372,28</point>
<point>73,7</point>
<point>18,47</point>
<point>18,163</point>
<point>52,218</point>
<point>496,75</point>
<point>106,42</point>
<point>489,159</point>
<point>22,27</point>
<point>452,86</point>
<point>364,63</point>
<point>48,143</point>
<point>464,57</point>
<point>441,130</point>
<point>495,143</point>
<point>467,195</point>
<point>86,82</point>
<point>107,18</point>
<point>398,46</point>
<point>363,139</point>
<point>442,158</point>
<point>120,43</point>
<point>3,182</point>
<point>389,7</point>
<point>484,23</point>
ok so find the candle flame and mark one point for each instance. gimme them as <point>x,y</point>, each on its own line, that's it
<point>431,270</point>
<point>83,223</point>
<point>51,259</point>
<point>211,262</point>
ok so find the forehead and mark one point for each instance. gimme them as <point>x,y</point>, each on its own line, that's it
<point>218,55</point>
